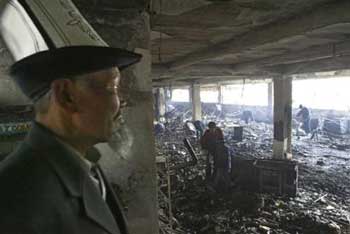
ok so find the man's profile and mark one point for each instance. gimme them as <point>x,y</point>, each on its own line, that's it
<point>48,185</point>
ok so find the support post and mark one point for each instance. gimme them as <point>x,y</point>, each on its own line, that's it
<point>160,103</point>
<point>129,157</point>
<point>10,93</point>
<point>220,96</point>
<point>269,99</point>
<point>282,118</point>
<point>196,102</point>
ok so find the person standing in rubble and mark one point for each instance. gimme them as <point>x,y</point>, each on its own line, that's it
<point>209,141</point>
<point>199,128</point>
<point>247,116</point>
<point>304,116</point>
<point>211,137</point>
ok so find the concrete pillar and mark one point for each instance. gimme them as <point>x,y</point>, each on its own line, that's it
<point>10,94</point>
<point>196,102</point>
<point>282,118</point>
<point>129,158</point>
<point>220,96</point>
<point>269,99</point>
<point>168,94</point>
<point>160,103</point>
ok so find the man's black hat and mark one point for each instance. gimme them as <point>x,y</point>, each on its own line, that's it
<point>34,73</point>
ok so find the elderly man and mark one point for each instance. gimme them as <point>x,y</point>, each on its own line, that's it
<point>48,185</point>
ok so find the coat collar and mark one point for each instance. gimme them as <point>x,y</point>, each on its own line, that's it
<point>97,209</point>
<point>69,167</point>
<point>73,173</point>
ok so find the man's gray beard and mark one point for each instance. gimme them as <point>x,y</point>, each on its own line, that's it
<point>122,139</point>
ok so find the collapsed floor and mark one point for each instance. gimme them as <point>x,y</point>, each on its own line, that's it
<point>322,204</point>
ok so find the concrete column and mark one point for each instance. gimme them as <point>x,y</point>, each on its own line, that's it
<point>269,98</point>
<point>10,94</point>
<point>129,158</point>
<point>220,96</point>
<point>282,118</point>
<point>196,102</point>
<point>160,103</point>
<point>168,94</point>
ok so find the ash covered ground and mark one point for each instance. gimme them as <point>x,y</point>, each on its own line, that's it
<point>322,204</point>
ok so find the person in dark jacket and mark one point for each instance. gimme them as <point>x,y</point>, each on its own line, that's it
<point>247,116</point>
<point>199,128</point>
<point>211,137</point>
<point>210,140</point>
<point>50,184</point>
<point>304,116</point>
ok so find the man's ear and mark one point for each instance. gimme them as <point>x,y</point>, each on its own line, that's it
<point>63,92</point>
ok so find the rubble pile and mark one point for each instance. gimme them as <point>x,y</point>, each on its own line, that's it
<point>321,206</point>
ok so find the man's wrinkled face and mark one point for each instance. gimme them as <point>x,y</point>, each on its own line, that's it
<point>99,105</point>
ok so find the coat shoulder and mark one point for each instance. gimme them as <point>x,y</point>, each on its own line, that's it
<point>26,181</point>
<point>23,166</point>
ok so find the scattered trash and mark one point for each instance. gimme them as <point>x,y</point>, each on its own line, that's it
<point>322,204</point>
<point>320,162</point>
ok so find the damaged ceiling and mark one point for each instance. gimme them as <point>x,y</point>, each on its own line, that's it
<point>211,41</point>
<point>218,40</point>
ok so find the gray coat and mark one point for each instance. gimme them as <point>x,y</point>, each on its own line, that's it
<point>46,190</point>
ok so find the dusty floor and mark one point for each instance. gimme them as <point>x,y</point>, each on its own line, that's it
<point>321,206</point>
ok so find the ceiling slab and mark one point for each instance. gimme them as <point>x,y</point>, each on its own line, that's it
<point>296,26</point>
<point>210,40</point>
<point>177,7</point>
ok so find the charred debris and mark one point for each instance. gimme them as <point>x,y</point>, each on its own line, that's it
<point>310,194</point>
